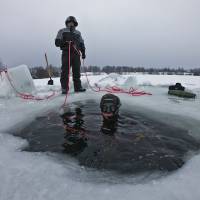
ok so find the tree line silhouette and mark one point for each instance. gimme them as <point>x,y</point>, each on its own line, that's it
<point>41,72</point>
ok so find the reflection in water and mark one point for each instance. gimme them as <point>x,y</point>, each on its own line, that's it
<point>131,144</point>
<point>75,137</point>
<point>76,134</point>
<point>109,127</point>
<point>137,146</point>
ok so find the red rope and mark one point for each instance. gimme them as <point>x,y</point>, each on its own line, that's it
<point>69,65</point>
<point>24,95</point>
<point>73,130</point>
<point>115,89</point>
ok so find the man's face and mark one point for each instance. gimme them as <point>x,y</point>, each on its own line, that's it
<point>70,24</point>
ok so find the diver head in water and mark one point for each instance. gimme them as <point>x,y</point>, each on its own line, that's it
<point>110,107</point>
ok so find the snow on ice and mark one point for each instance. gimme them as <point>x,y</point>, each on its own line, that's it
<point>25,175</point>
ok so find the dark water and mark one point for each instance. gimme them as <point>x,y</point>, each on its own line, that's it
<point>133,144</point>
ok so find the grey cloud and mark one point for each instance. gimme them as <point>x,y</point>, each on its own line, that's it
<point>128,32</point>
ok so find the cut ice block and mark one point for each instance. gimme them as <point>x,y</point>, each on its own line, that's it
<point>21,79</point>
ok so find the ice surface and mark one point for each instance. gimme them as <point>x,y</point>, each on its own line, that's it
<point>20,78</point>
<point>190,82</point>
<point>40,176</point>
<point>6,90</point>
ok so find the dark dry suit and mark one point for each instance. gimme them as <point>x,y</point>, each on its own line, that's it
<point>63,36</point>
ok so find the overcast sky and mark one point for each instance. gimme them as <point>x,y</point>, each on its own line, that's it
<point>154,33</point>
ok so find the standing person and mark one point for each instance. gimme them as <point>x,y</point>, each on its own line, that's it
<point>64,36</point>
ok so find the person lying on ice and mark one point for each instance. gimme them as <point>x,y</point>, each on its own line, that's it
<point>76,46</point>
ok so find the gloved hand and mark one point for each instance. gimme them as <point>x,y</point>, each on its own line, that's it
<point>83,56</point>
<point>82,49</point>
<point>59,43</point>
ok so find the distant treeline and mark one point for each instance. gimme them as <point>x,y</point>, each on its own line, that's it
<point>41,72</point>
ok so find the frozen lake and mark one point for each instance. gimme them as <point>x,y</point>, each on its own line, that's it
<point>46,175</point>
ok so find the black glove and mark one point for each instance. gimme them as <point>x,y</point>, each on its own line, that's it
<point>83,53</point>
<point>82,48</point>
<point>59,43</point>
<point>83,56</point>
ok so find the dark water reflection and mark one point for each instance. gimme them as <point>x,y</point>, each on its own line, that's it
<point>133,144</point>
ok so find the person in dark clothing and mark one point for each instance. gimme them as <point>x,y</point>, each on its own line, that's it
<point>70,39</point>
